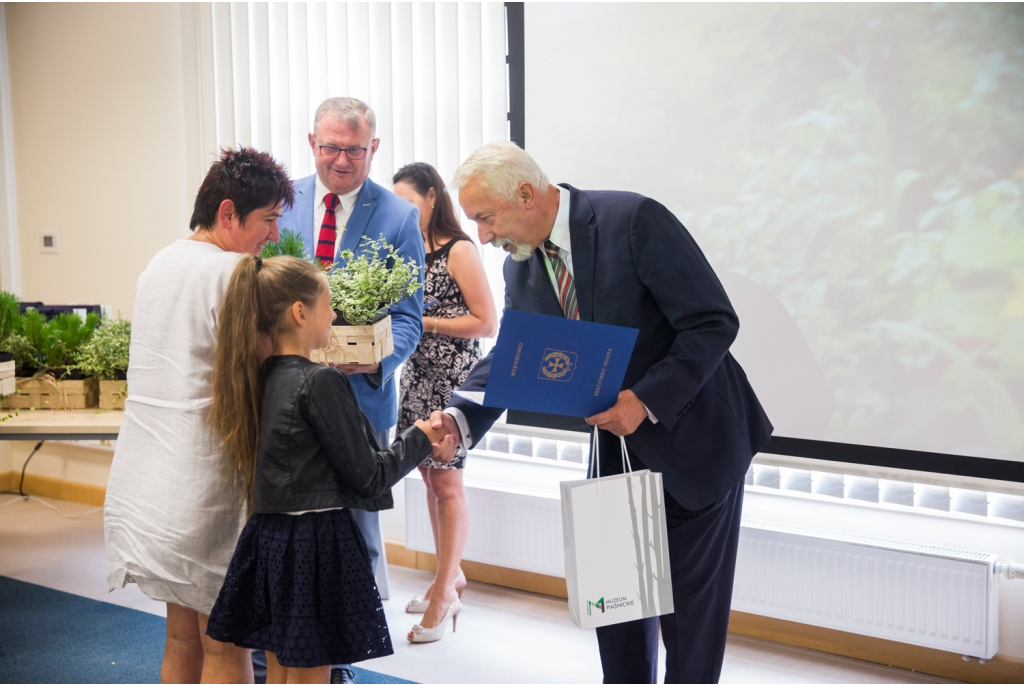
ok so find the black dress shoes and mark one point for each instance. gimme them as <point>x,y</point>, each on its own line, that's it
<point>342,674</point>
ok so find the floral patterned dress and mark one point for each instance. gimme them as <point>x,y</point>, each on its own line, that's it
<point>440,363</point>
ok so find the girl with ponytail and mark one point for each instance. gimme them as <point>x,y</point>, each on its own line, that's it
<point>299,585</point>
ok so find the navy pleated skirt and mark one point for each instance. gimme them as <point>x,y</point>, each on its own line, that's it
<point>301,587</point>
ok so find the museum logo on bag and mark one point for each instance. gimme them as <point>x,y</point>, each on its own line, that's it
<point>603,605</point>
<point>557,365</point>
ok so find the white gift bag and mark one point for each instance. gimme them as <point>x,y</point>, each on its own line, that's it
<point>616,546</point>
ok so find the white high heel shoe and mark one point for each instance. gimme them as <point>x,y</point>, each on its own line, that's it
<point>419,606</point>
<point>421,634</point>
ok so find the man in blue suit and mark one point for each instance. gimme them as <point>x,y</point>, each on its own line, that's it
<point>685,406</point>
<point>334,210</point>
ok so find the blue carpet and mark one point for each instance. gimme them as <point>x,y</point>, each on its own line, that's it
<point>48,636</point>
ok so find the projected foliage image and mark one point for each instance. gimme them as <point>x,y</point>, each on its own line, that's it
<point>900,186</point>
<point>864,164</point>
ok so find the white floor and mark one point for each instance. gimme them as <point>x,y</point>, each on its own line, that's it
<point>504,636</point>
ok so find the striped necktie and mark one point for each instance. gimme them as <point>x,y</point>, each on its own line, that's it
<point>328,232</point>
<point>566,288</point>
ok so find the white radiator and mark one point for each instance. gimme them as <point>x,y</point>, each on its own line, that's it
<point>934,597</point>
<point>506,529</point>
<point>923,595</point>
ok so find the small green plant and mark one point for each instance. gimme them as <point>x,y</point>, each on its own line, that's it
<point>9,315</point>
<point>289,243</point>
<point>105,354</point>
<point>27,341</point>
<point>63,336</point>
<point>367,284</point>
<point>24,353</point>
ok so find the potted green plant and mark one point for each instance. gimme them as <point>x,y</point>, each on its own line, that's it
<point>49,348</point>
<point>26,342</point>
<point>9,314</point>
<point>105,357</point>
<point>63,338</point>
<point>362,290</point>
<point>288,243</point>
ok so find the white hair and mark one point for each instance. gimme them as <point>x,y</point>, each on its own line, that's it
<point>351,111</point>
<point>502,167</point>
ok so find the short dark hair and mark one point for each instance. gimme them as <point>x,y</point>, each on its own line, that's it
<point>249,178</point>
<point>443,222</point>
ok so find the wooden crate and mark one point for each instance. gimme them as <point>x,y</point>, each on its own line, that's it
<point>357,344</point>
<point>7,384</point>
<point>36,393</point>
<point>112,394</point>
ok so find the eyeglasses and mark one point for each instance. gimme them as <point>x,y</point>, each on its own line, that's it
<point>332,151</point>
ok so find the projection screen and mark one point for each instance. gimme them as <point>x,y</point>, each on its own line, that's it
<point>853,172</point>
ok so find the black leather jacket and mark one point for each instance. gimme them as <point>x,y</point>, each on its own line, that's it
<point>317,450</point>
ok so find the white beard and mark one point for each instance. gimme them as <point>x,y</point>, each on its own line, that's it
<point>520,252</point>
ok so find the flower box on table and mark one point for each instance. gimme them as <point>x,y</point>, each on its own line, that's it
<point>112,394</point>
<point>357,344</point>
<point>47,393</point>
<point>7,385</point>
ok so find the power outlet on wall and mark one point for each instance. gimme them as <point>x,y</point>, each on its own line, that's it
<point>49,243</point>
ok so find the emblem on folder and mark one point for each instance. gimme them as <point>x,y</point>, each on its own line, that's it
<point>557,365</point>
<point>599,604</point>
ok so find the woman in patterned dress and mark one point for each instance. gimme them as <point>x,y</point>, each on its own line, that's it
<point>458,309</point>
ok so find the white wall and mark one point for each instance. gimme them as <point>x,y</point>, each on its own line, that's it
<point>99,100</point>
<point>100,144</point>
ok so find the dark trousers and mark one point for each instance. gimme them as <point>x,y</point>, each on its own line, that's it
<point>702,553</point>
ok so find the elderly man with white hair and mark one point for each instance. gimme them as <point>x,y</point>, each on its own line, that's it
<point>685,405</point>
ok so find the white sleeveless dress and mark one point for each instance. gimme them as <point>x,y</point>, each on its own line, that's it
<point>172,516</point>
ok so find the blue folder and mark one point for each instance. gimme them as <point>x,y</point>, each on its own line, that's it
<point>556,365</point>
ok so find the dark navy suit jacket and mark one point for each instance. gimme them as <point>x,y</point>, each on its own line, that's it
<point>636,265</point>
<point>376,211</point>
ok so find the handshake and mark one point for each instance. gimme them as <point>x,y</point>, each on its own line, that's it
<point>443,433</point>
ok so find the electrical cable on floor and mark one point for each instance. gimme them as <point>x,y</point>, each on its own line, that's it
<point>34,498</point>
<point>21,483</point>
<point>21,491</point>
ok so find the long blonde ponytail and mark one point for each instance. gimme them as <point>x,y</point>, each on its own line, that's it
<point>259,293</point>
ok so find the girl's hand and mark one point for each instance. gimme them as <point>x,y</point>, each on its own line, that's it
<point>442,442</point>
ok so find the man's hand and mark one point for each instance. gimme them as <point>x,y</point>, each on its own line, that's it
<point>349,369</point>
<point>622,419</point>
<point>442,442</point>
<point>444,451</point>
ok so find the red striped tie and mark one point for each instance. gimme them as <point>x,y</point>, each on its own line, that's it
<point>566,287</point>
<point>328,232</point>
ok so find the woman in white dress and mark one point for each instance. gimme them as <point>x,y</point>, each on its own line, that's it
<point>172,514</point>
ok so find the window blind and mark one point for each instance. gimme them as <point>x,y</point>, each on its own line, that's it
<point>434,73</point>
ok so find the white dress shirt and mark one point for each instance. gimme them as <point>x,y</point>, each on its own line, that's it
<point>346,203</point>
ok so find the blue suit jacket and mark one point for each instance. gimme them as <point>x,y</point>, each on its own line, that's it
<point>377,211</point>
<point>636,265</point>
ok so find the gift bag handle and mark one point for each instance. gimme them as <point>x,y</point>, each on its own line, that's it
<point>596,461</point>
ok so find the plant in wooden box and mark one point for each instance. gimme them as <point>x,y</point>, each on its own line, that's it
<point>362,290</point>
<point>9,314</point>
<point>105,357</point>
<point>26,342</point>
<point>50,347</point>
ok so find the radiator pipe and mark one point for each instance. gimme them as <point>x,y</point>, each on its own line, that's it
<point>1010,568</point>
